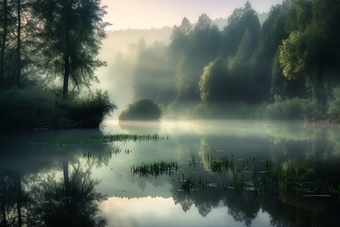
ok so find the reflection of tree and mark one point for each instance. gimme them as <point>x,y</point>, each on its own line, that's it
<point>12,198</point>
<point>294,210</point>
<point>204,200</point>
<point>242,207</point>
<point>313,146</point>
<point>7,203</point>
<point>151,179</point>
<point>70,202</point>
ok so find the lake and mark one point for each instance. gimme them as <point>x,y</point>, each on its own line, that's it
<point>70,178</point>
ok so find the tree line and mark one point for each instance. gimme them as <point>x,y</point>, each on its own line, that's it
<point>293,55</point>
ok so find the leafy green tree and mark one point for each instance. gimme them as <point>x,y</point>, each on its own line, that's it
<point>238,68</point>
<point>281,85</point>
<point>304,54</point>
<point>310,51</point>
<point>202,47</point>
<point>260,67</point>
<point>70,39</point>
<point>299,16</point>
<point>214,83</point>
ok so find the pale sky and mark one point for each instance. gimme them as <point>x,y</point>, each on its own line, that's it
<point>158,13</point>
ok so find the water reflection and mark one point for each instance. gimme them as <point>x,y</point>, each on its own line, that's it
<point>43,185</point>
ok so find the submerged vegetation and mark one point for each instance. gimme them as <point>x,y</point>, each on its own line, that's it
<point>141,109</point>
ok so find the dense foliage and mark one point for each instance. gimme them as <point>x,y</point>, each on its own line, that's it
<point>53,39</point>
<point>293,54</point>
<point>44,108</point>
<point>141,109</point>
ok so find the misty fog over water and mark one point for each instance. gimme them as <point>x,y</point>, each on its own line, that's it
<point>101,177</point>
<point>211,122</point>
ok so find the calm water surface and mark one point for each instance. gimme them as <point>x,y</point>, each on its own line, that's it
<point>92,185</point>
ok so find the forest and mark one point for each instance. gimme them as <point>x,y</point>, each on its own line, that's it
<point>284,67</point>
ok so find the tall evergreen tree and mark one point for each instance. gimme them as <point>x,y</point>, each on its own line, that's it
<point>238,22</point>
<point>70,39</point>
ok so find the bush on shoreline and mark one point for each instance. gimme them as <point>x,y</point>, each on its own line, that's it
<point>85,112</point>
<point>141,109</point>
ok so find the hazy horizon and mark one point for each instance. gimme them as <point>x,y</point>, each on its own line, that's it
<point>156,14</point>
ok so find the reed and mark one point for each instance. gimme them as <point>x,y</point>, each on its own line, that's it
<point>155,168</point>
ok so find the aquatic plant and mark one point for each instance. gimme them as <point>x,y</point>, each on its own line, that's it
<point>155,168</point>
<point>301,179</point>
<point>113,150</point>
<point>188,184</point>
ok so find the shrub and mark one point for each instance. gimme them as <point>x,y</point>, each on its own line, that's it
<point>289,109</point>
<point>86,112</point>
<point>141,109</point>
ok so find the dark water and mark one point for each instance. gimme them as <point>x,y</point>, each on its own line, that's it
<point>92,185</point>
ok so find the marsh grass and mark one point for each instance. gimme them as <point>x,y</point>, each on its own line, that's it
<point>112,151</point>
<point>247,176</point>
<point>155,168</point>
<point>223,163</point>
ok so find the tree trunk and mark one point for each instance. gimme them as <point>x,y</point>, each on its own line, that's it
<point>66,76</point>
<point>68,195</point>
<point>19,198</point>
<point>2,60</point>
<point>66,179</point>
<point>18,73</point>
